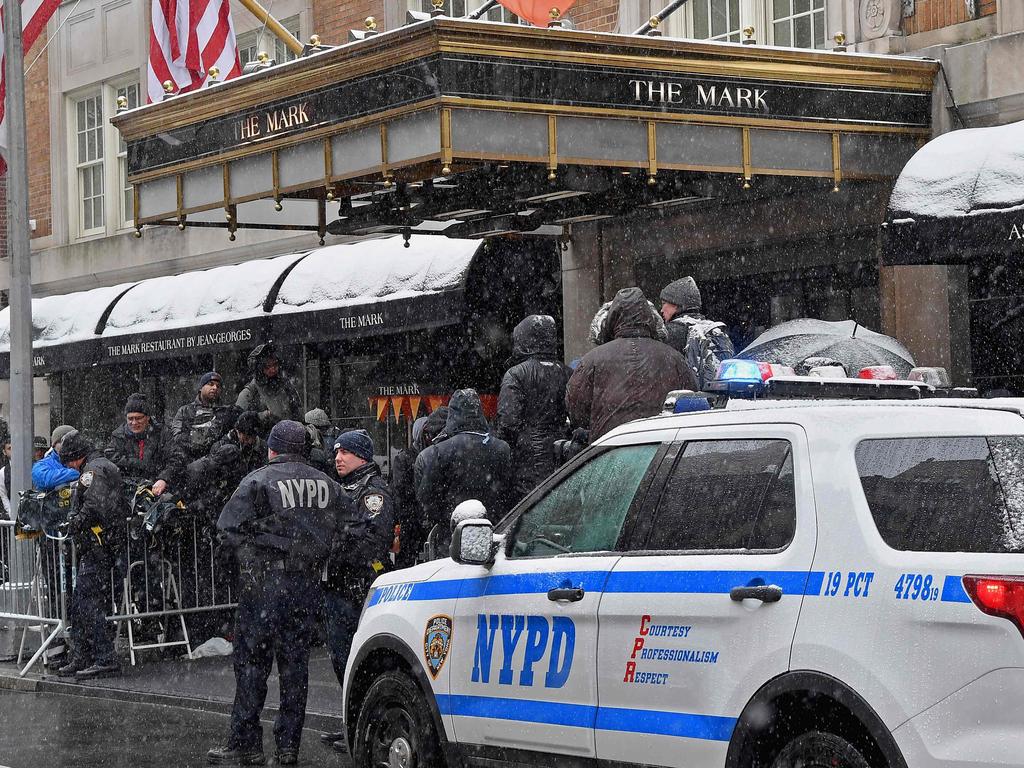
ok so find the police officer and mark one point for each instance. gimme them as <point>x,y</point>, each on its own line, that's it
<point>98,512</point>
<point>362,549</point>
<point>281,521</point>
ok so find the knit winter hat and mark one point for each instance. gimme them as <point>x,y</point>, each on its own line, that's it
<point>58,434</point>
<point>683,293</point>
<point>356,441</point>
<point>209,376</point>
<point>287,437</point>
<point>74,445</point>
<point>137,403</point>
<point>318,418</point>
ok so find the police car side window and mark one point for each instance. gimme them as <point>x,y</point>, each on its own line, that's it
<point>946,494</point>
<point>585,512</point>
<point>727,495</point>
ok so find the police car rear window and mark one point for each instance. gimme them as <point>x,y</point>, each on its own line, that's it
<point>946,494</point>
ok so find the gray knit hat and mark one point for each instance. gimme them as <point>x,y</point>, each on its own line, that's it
<point>59,433</point>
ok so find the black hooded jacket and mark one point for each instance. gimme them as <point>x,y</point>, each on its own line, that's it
<point>470,463</point>
<point>628,377</point>
<point>146,456</point>
<point>531,408</point>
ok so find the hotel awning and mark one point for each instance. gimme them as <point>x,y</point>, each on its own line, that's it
<point>344,291</point>
<point>471,129</point>
<point>960,196</point>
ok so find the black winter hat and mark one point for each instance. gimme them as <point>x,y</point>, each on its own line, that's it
<point>75,445</point>
<point>357,441</point>
<point>209,376</point>
<point>683,293</point>
<point>287,436</point>
<point>137,403</point>
<point>248,423</point>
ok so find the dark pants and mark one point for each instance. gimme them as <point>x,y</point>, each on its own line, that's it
<point>275,619</point>
<point>341,615</point>
<point>91,638</point>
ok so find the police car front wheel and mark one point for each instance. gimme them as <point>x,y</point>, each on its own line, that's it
<point>394,728</point>
<point>817,749</point>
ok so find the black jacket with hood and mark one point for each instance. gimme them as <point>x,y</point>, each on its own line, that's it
<point>531,407</point>
<point>628,377</point>
<point>469,463</point>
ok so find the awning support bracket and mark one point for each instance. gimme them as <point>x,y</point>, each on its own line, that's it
<point>837,167</point>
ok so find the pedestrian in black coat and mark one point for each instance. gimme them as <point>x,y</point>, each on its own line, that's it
<point>198,425</point>
<point>141,447</point>
<point>469,463</point>
<point>531,407</point>
<point>408,514</point>
<point>628,377</point>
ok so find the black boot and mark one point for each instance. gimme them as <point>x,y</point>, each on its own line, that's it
<point>287,756</point>
<point>330,738</point>
<point>106,669</point>
<point>235,756</point>
<point>72,668</point>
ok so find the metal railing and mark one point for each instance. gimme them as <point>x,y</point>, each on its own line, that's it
<point>161,581</point>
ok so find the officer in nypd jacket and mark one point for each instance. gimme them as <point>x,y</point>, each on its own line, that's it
<point>96,525</point>
<point>281,521</point>
<point>362,549</point>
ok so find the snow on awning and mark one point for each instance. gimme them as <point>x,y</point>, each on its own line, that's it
<point>359,289</point>
<point>961,195</point>
<point>373,287</point>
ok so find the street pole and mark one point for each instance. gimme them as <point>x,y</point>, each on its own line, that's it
<point>20,255</point>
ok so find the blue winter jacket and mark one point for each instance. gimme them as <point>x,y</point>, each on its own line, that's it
<point>48,473</point>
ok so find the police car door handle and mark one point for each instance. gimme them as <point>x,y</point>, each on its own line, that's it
<point>766,593</point>
<point>568,594</point>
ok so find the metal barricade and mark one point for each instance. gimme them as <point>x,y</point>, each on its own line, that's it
<point>34,587</point>
<point>167,578</point>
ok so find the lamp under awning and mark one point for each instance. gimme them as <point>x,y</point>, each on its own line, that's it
<point>959,197</point>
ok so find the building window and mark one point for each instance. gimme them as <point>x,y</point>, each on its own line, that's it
<point>456,8</point>
<point>99,186</point>
<point>798,23</point>
<point>250,43</point>
<point>795,23</point>
<point>89,135</point>
<point>131,93</point>
<point>716,19</point>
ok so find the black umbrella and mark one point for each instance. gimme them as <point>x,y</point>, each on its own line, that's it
<point>853,345</point>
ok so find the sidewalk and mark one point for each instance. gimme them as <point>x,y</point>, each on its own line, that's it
<point>203,684</point>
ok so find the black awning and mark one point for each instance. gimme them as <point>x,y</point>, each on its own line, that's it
<point>353,290</point>
<point>961,196</point>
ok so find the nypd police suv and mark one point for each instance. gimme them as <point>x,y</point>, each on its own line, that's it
<point>828,574</point>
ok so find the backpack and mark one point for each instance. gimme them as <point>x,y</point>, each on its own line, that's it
<point>707,345</point>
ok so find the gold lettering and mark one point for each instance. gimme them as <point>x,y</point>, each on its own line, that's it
<point>250,127</point>
<point>707,97</point>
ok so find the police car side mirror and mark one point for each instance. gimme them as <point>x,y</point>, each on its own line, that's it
<point>473,543</point>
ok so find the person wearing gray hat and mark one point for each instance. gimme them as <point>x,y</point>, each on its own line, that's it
<point>48,473</point>
<point>281,522</point>
<point>703,342</point>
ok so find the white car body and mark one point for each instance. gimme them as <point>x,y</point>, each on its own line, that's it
<point>656,665</point>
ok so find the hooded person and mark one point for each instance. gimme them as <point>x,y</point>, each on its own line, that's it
<point>470,463</point>
<point>628,377</point>
<point>531,406</point>
<point>412,533</point>
<point>703,342</point>
<point>270,393</point>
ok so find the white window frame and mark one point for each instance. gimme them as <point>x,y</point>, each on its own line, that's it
<point>264,41</point>
<point>758,14</point>
<point>495,14</point>
<point>88,164</point>
<point>113,161</point>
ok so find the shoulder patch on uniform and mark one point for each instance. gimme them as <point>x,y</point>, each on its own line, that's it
<point>85,480</point>
<point>374,502</point>
<point>437,640</point>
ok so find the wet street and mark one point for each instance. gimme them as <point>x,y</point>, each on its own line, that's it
<point>57,730</point>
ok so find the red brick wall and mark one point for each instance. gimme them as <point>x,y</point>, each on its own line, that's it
<point>332,19</point>
<point>37,106</point>
<point>936,14</point>
<point>596,15</point>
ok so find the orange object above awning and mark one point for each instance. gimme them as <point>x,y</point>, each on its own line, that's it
<point>413,406</point>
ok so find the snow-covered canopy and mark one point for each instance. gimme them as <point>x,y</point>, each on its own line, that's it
<point>375,270</point>
<point>64,319</point>
<point>970,171</point>
<point>350,274</point>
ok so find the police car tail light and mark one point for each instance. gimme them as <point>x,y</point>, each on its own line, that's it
<point>878,373</point>
<point>1001,596</point>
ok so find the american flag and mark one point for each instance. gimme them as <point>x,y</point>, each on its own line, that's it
<point>34,16</point>
<point>187,38</point>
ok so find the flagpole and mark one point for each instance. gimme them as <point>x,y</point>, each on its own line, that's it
<point>20,255</point>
